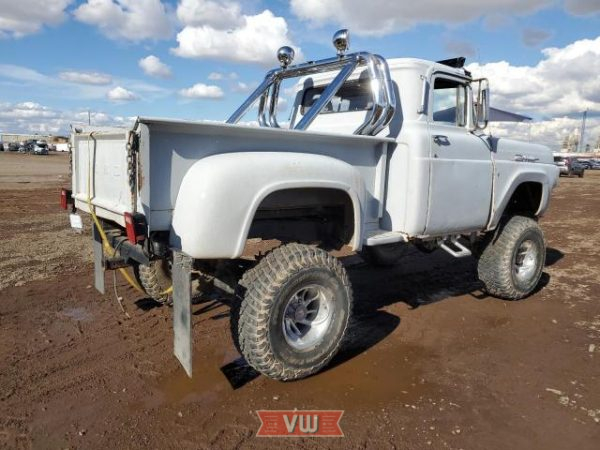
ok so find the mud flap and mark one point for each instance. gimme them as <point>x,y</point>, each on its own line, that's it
<point>182,309</point>
<point>98,263</point>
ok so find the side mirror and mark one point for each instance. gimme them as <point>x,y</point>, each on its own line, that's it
<point>482,113</point>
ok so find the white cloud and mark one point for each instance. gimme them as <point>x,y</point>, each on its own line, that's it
<point>242,87</point>
<point>550,132</point>
<point>31,117</point>
<point>85,77</point>
<point>120,94</point>
<point>564,82</point>
<point>532,37</point>
<point>582,7</point>
<point>222,15</point>
<point>133,20</point>
<point>154,67</point>
<point>380,17</point>
<point>44,86</point>
<point>21,17</point>
<point>457,47</point>
<point>255,39</point>
<point>215,76</point>
<point>201,90</point>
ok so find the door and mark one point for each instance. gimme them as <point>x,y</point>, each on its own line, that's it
<point>460,188</point>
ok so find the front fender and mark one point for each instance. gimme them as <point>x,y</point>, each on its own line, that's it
<point>220,194</point>
<point>545,174</point>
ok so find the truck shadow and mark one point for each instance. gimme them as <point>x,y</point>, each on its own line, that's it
<point>422,280</point>
<point>428,279</point>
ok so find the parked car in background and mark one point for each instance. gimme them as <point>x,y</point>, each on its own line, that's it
<point>569,166</point>
<point>585,163</point>
<point>1,146</point>
<point>40,148</point>
<point>595,165</point>
<point>12,147</point>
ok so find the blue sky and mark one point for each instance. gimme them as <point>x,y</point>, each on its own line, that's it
<point>63,57</point>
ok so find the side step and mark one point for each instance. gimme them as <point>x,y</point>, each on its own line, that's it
<point>382,237</point>
<point>447,245</point>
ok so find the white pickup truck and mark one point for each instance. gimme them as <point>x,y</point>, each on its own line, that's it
<point>377,155</point>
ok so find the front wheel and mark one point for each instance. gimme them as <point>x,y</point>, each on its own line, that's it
<point>294,312</point>
<point>511,264</point>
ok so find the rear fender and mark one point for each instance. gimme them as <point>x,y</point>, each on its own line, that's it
<point>220,194</point>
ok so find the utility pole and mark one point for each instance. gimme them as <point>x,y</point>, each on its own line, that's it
<point>89,117</point>
<point>582,134</point>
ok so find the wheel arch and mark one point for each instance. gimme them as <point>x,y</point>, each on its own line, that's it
<point>213,216</point>
<point>528,193</point>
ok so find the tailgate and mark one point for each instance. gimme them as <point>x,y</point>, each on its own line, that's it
<point>100,165</point>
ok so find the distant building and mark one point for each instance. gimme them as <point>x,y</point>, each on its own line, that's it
<point>49,138</point>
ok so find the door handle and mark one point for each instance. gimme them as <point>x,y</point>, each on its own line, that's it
<point>440,139</point>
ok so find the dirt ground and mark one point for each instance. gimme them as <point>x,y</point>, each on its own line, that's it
<point>432,362</point>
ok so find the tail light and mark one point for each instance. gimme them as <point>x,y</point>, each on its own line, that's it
<point>65,198</point>
<point>135,226</point>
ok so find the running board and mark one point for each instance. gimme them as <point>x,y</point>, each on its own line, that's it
<point>382,237</point>
<point>462,250</point>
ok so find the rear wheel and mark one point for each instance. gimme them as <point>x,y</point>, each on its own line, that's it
<point>294,313</point>
<point>511,264</point>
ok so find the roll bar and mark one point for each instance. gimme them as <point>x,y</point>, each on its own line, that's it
<point>384,98</point>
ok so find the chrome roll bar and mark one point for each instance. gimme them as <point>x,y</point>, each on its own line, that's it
<point>384,98</point>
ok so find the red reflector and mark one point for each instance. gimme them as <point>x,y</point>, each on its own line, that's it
<point>65,197</point>
<point>135,226</point>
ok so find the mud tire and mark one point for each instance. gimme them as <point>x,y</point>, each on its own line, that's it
<point>267,289</point>
<point>496,265</point>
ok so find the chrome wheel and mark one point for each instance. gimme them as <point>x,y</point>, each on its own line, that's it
<point>525,264</point>
<point>307,317</point>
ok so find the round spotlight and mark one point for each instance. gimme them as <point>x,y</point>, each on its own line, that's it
<point>341,41</point>
<point>285,55</point>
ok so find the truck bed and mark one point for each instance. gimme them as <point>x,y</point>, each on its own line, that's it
<point>168,148</point>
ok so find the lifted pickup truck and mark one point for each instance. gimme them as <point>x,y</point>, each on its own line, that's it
<point>377,155</point>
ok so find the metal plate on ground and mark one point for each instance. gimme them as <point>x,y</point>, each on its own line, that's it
<point>76,222</point>
<point>182,310</point>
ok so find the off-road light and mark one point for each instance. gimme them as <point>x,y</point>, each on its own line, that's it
<point>285,55</point>
<point>341,41</point>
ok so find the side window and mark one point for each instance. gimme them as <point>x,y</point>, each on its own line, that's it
<point>449,102</point>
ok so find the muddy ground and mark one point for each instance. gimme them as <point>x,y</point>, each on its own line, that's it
<point>432,361</point>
